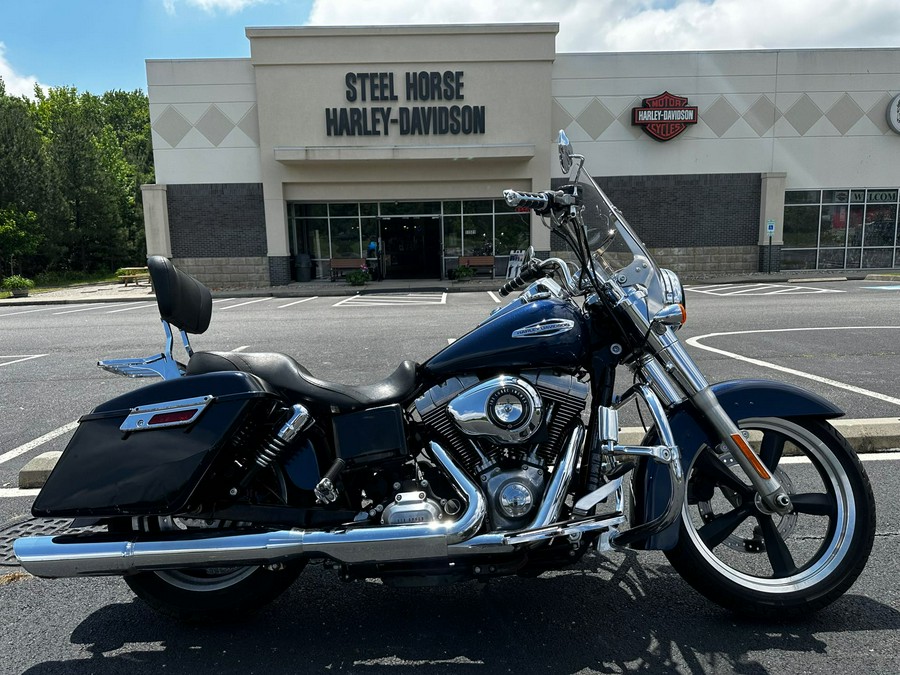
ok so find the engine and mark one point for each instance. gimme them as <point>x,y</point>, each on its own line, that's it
<point>506,431</point>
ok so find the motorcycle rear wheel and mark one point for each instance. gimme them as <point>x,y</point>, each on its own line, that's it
<point>215,594</point>
<point>212,594</point>
<point>766,565</point>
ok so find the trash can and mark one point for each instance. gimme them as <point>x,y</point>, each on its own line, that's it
<point>304,267</point>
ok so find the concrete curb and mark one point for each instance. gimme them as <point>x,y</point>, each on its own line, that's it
<point>865,435</point>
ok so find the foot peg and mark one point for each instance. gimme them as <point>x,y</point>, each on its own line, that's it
<point>326,492</point>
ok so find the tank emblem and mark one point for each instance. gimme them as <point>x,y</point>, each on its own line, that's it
<point>545,328</point>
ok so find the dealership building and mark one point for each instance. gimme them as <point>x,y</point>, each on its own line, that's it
<point>393,145</point>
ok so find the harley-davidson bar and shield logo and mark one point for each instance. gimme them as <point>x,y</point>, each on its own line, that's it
<point>664,116</point>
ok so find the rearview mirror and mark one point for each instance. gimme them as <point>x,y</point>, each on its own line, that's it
<point>565,152</point>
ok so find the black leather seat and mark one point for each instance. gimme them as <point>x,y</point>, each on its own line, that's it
<point>284,373</point>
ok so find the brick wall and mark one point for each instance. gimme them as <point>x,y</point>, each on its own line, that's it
<point>227,272</point>
<point>224,220</point>
<point>698,225</point>
<point>690,210</point>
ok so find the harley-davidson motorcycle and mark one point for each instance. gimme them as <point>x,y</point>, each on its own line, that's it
<point>211,490</point>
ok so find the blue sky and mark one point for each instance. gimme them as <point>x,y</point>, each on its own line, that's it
<point>98,45</point>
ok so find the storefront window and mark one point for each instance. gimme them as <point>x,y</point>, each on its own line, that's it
<point>511,232</point>
<point>467,227</point>
<point>478,235</point>
<point>881,225</point>
<point>345,238</point>
<point>452,236</point>
<point>478,206</point>
<point>410,208</point>
<point>834,228</point>
<point>317,244</point>
<point>800,226</point>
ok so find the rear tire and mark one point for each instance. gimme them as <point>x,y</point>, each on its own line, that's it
<point>766,565</point>
<point>213,594</point>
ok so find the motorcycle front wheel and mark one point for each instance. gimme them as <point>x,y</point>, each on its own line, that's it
<point>757,563</point>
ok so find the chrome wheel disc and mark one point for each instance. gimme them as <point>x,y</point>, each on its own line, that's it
<point>765,552</point>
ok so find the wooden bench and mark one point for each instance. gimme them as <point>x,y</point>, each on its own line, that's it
<point>135,275</point>
<point>477,262</point>
<point>341,265</point>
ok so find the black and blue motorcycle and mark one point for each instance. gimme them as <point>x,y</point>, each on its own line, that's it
<point>209,491</point>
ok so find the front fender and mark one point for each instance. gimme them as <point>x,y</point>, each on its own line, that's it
<point>741,399</point>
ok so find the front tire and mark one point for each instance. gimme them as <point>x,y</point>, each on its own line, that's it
<point>767,565</point>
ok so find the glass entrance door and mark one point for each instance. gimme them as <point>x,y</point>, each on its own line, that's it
<point>411,247</point>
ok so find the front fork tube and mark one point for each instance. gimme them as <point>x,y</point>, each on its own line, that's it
<point>691,380</point>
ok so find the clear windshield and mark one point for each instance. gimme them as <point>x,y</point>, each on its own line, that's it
<point>614,247</point>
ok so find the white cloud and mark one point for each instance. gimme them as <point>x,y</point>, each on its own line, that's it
<point>213,6</point>
<point>16,85</point>
<point>649,25</point>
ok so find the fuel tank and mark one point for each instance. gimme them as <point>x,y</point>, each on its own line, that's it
<point>543,333</point>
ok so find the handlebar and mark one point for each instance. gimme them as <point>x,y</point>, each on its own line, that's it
<point>529,273</point>
<point>539,201</point>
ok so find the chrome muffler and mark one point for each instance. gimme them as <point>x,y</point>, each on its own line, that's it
<point>99,555</point>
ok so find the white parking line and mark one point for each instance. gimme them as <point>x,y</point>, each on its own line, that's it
<point>695,342</point>
<point>139,305</point>
<point>297,302</point>
<point>83,309</point>
<point>241,304</point>
<point>29,311</point>
<point>31,445</point>
<point>223,300</point>
<point>393,299</point>
<point>759,289</point>
<point>7,493</point>
<point>241,348</point>
<point>494,297</point>
<point>19,358</point>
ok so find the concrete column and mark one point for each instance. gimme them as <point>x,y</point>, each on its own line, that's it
<point>156,220</point>
<point>276,220</point>
<point>772,207</point>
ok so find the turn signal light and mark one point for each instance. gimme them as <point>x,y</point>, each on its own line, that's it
<point>750,455</point>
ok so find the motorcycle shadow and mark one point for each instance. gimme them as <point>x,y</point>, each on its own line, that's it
<point>610,614</point>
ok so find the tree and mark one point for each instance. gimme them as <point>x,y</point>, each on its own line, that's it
<point>19,236</point>
<point>71,167</point>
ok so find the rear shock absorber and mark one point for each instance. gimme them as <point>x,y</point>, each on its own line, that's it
<point>274,447</point>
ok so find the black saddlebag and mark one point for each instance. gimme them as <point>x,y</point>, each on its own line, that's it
<point>155,468</point>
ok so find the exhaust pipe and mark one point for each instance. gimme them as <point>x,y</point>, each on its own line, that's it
<point>99,555</point>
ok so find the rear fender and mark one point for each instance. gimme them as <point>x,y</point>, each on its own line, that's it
<point>741,399</point>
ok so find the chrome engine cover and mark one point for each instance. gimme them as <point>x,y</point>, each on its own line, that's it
<point>411,508</point>
<point>504,409</point>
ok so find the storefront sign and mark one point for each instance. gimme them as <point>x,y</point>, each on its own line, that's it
<point>436,119</point>
<point>664,116</point>
<point>893,114</point>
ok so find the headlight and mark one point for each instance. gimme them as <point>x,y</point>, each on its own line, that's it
<point>674,291</point>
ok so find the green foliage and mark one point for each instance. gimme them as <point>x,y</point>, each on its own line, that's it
<point>16,281</point>
<point>358,277</point>
<point>19,234</point>
<point>71,167</point>
<point>462,273</point>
